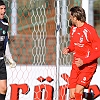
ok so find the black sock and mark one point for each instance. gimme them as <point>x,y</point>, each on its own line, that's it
<point>2,96</point>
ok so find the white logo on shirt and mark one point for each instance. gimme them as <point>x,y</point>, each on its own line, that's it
<point>2,38</point>
<point>81,39</point>
<point>84,79</point>
<point>85,33</point>
<point>74,29</point>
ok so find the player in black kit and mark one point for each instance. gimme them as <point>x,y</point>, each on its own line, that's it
<point>3,41</point>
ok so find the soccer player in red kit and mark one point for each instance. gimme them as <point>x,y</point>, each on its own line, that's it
<point>83,42</point>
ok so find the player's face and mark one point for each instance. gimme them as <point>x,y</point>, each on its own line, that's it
<point>73,19</point>
<point>2,11</point>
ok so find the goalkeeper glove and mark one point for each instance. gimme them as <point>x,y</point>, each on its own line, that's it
<point>11,63</point>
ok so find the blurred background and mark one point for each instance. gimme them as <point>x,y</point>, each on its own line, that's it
<point>33,28</point>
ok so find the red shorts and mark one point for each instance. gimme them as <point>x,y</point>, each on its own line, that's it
<point>82,75</point>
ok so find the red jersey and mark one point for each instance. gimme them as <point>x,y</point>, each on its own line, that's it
<point>92,57</point>
<point>83,41</point>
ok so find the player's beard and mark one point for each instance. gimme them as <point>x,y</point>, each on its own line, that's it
<point>71,23</point>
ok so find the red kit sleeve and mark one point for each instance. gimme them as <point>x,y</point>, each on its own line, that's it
<point>95,41</point>
<point>71,45</point>
<point>92,57</point>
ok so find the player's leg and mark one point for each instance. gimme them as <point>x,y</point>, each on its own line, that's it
<point>79,92</point>
<point>71,94</point>
<point>84,80</point>
<point>3,89</point>
<point>73,82</point>
<point>3,80</point>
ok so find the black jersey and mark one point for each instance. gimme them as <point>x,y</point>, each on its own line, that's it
<point>3,36</point>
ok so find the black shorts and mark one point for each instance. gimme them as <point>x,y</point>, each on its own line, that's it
<point>3,72</point>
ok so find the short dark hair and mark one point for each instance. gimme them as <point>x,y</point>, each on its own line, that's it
<point>79,13</point>
<point>1,3</point>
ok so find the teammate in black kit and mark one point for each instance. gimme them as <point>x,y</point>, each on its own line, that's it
<point>3,41</point>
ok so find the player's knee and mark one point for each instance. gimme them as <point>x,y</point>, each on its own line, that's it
<point>3,89</point>
<point>79,89</point>
<point>71,95</point>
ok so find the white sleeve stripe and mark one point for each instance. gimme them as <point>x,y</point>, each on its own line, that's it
<point>4,23</point>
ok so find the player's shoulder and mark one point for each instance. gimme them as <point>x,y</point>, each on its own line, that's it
<point>73,27</point>
<point>5,20</point>
<point>72,30</point>
<point>90,27</point>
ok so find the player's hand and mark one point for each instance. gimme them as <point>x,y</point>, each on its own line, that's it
<point>78,62</point>
<point>65,51</point>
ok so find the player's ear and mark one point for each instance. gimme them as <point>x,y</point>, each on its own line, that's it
<point>75,18</point>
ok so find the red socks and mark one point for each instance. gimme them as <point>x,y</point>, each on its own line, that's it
<point>78,96</point>
<point>72,99</point>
